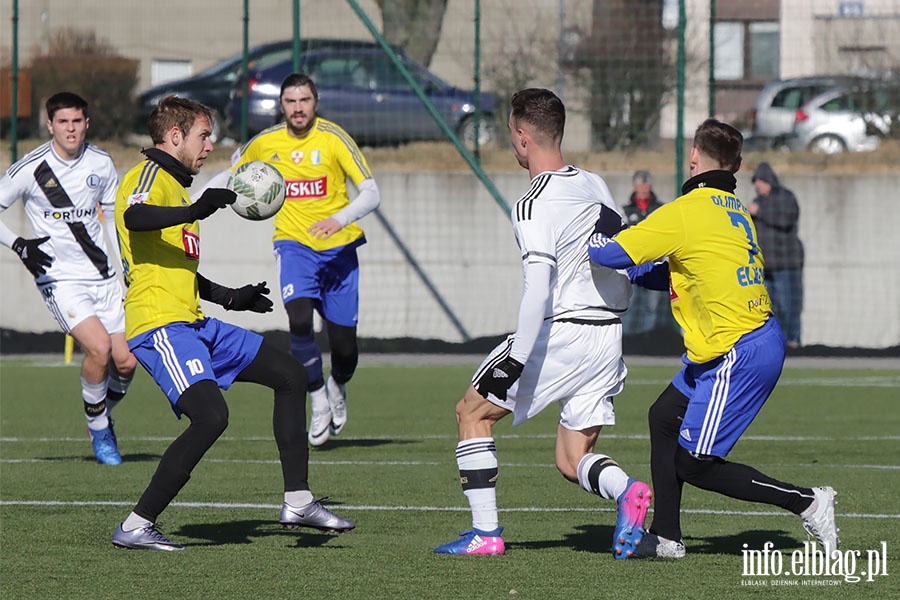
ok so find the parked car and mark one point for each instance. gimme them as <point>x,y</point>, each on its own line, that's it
<point>772,116</point>
<point>215,85</point>
<point>365,93</point>
<point>854,119</point>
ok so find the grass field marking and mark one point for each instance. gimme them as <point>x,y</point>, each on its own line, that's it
<point>415,463</point>
<point>367,507</point>
<point>502,436</point>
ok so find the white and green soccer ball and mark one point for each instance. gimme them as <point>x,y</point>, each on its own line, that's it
<point>259,188</point>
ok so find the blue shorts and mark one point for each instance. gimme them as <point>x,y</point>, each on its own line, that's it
<point>727,393</point>
<point>329,277</point>
<point>179,355</point>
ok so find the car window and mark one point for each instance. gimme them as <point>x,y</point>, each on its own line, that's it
<point>267,60</point>
<point>340,71</point>
<point>837,104</point>
<point>795,97</point>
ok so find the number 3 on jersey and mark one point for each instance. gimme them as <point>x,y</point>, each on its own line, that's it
<point>740,220</point>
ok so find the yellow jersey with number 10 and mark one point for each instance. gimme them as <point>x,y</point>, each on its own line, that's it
<point>315,169</point>
<point>161,265</point>
<point>716,269</point>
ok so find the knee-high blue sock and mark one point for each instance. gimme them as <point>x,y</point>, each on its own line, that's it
<point>306,350</point>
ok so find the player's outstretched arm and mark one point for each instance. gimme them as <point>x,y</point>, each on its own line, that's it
<point>249,297</point>
<point>150,217</point>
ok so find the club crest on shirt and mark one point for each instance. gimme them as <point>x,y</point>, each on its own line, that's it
<point>297,156</point>
<point>93,181</point>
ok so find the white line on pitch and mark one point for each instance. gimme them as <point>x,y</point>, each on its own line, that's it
<point>418,463</point>
<point>536,509</point>
<point>502,436</point>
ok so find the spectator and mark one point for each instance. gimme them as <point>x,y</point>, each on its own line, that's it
<point>649,308</point>
<point>776,215</point>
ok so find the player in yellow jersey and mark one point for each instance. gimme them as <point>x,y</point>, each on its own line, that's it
<point>316,237</point>
<point>191,356</point>
<point>735,347</point>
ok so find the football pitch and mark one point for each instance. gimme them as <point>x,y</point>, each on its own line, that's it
<point>393,471</point>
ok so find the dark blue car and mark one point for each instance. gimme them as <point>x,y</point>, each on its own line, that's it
<point>363,91</point>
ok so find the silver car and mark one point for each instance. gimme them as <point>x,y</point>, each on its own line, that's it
<point>849,120</point>
<point>772,117</point>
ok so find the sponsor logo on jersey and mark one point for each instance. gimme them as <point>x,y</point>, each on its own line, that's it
<point>137,198</point>
<point>297,156</point>
<point>316,157</point>
<point>275,158</point>
<point>51,183</point>
<point>303,189</point>
<point>93,181</point>
<point>74,214</point>
<point>191,242</point>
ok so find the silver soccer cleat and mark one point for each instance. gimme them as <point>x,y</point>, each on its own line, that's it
<point>143,538</point>
<point>313,515</point>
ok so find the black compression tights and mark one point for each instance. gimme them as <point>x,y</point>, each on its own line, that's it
<point>205,406</point>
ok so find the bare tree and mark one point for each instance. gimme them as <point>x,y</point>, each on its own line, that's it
<point>628,70</point>
<point>414,25</point>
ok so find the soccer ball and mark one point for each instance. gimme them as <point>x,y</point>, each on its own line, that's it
<point>259,188</point>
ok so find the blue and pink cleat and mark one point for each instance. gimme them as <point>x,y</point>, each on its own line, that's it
<point>633,505</point>
<point>475,541</point>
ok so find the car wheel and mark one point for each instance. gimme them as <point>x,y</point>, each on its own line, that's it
<point>827,144</point>
<point>487,132</point>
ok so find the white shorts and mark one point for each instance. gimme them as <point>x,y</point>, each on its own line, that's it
<point>578,366</point>
<point>71,302</point>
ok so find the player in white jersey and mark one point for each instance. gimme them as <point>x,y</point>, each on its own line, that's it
<point>567,347</point>
<point>65,185</point>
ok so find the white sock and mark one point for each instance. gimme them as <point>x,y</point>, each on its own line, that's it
<point>601,475</point>
<point>479,457</point>
<point>135,522</point>
<point>319,401</point>
<point>298,498</point>
<point>94,395</point>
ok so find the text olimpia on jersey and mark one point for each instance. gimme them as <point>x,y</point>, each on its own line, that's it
<point>64,200</point>
<point>553,223</point>
<point>314,169</point>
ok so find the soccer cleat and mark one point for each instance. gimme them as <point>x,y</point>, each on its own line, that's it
<point>313,515</point>
<point>337,400</point>
<point>633,504</point>
<point>143,538</point>
<point>475,541</point>
<point>104,443</point>
<point>654,546</point>
<point>821,524</point>
<point>320,423</point>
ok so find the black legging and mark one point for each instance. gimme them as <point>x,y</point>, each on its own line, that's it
<point>205,406</point>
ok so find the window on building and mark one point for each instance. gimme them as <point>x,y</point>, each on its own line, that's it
<point>162,71</point>
<point>747,50</point>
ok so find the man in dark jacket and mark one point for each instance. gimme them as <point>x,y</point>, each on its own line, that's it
<point>648,309</point>
<point>776,214</point>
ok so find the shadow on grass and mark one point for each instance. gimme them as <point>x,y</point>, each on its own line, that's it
<point>336,442</point>
<point>244,532</point>
<point>598,538</point>
<point>734,544</point>
<point>587,538</point>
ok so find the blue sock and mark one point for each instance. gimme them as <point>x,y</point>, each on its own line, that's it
<point>306,350</point>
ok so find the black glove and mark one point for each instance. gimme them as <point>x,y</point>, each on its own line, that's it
<point>249,297</point>
<point>209,202</point>
<point>498,380</point>
<point>609,223</point>
<point>35,259</point>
